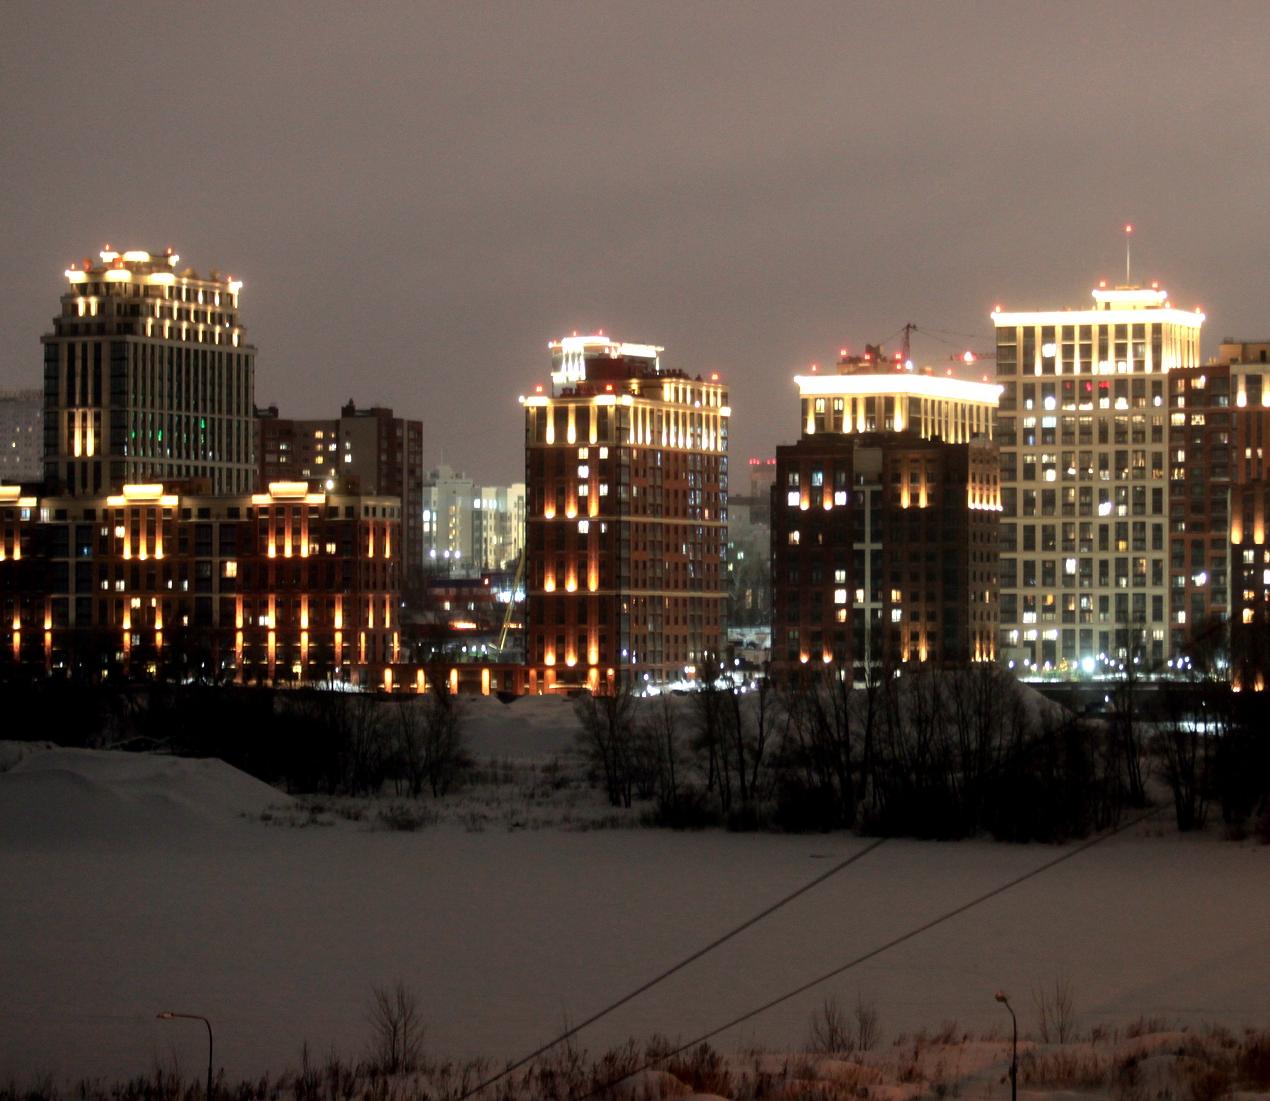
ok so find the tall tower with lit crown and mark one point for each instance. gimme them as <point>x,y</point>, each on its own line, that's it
<point>1083,431</point>
<point>626,518</point>
<point>147,378</point>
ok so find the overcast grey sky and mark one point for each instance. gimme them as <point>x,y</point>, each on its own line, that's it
<point>419,196</point>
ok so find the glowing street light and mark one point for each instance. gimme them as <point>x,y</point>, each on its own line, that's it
<point>1014,1047</point>
<point>195,1017</point>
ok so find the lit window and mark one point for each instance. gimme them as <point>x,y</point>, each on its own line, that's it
<point>896,615</point>
<point>231,569</point>
<point>791,498</point>
<point>584,526</point>
<point>840,596</point>
<point>793,538</point>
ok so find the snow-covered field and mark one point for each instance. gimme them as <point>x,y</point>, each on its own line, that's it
<point>133,884</point>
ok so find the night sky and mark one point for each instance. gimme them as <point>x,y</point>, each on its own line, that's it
<point>419,197</point>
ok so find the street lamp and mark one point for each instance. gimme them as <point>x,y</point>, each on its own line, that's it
<point>195,1017</point>
<point>1014,1047</point>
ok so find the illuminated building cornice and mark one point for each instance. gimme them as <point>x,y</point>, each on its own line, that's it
<point>901,383</point>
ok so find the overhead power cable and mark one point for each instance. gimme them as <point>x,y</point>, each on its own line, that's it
<point>803,988</point>
<point>717,942</point>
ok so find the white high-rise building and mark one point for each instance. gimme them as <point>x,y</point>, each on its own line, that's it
<point>1083,432</point>
<point>21,435</point>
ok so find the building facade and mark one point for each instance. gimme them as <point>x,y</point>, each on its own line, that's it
<point>885,518</point>
<point>884,552</point>
<point>867,394</point>
<point>21,436</point>
<point>1083,431</point>
<point>1219,421</point>
<point>498,526</point>
<point>366,451</point>
<point>147,377</point>
<point>626,501</point>
<point>285,585</point>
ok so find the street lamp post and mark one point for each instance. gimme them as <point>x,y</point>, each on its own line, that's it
<point>1014,1047</point>
<point>195,1017</point>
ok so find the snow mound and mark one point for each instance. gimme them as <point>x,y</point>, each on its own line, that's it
<point>12,752</point>
<point>89,794</point>
<point>528,728</point>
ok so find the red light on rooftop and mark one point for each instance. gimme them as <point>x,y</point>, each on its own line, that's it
<point>842,351</point>
<point>1102,284</point>
<point>1128,228</point>
<point>868,355</point>
<point>538,388</point>
<point>714,376</point>
<point>1155,285</point>
<point>609,387</point>
<point>968,358</point>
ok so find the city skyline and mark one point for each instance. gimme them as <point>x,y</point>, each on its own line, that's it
<point>415,196</point>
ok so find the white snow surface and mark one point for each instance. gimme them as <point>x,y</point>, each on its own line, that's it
<point>131,884</point>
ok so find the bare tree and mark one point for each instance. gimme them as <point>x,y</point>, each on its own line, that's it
<point>396,1028</point>
<point>608,727</point>
<point>1056,1011</point>
<point>442,752</point>
<point>830,1032</point>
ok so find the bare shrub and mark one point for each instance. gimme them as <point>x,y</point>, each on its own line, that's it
<point>702,1070</point>
<point>396,1029</point>
<point>868,1032</point>
<point>407,819</point>
<point>1252,1064</point>
<point>830,1030</point>
<point>1202,1080</point>
<point>1074,1070</point>
<point>1056,1011</point>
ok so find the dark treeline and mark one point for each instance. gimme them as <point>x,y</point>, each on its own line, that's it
<point>931,753</point>
<point>303,740</point>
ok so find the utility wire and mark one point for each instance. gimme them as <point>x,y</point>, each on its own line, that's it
<point>946,916</point>
<point>778,904</point>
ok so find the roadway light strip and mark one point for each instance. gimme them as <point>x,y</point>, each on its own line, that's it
<point>784,901</point>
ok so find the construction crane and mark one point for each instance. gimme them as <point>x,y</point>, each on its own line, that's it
<point>511,601</point>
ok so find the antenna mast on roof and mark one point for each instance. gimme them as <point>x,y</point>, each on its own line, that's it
<point>1128,237</point>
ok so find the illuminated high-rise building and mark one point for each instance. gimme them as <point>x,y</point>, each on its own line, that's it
<point>1219,501</point>
<point>1084,434</point>
<point>626,515</point>
<point>885,521</point>
<point>148,377</point>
